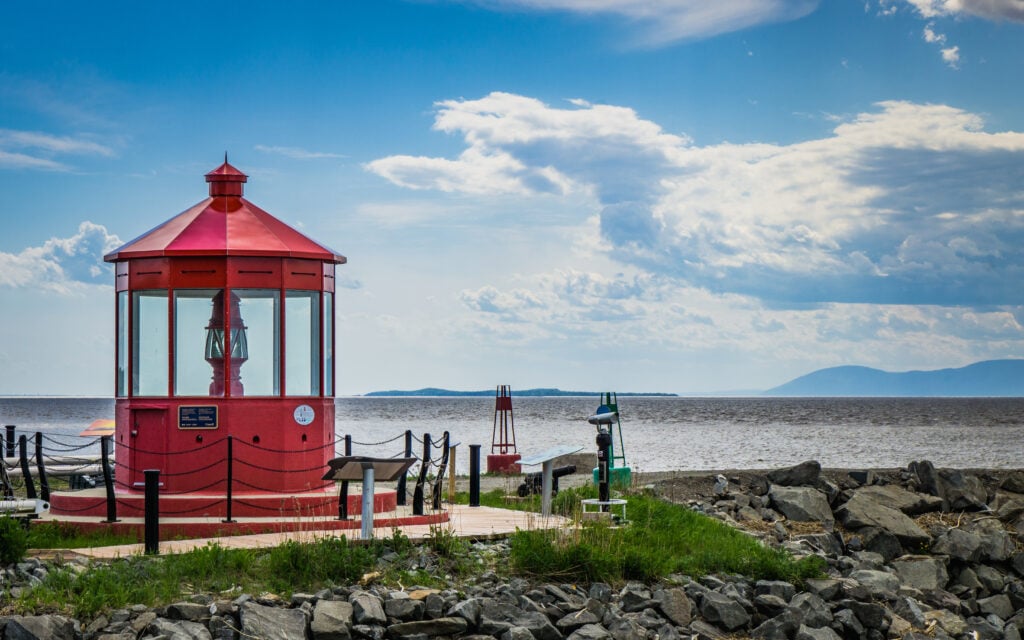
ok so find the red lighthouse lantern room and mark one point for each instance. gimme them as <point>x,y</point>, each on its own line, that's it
<point>225,335</point>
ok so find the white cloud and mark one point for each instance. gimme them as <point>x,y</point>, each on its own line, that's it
<point>992,9</point>
<point>931,36</point>
<point>661,22</point>
<point>908,202</point>
<point>951,56</point>
<point>296,153</point>
<point>61,264</point>
<point>36,150</point>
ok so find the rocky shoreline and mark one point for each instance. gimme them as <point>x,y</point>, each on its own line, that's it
<point>912,553</point>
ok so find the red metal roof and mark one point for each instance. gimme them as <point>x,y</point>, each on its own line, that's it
<point>225,224</point>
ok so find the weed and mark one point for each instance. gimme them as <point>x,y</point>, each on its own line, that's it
<point>13,540</point>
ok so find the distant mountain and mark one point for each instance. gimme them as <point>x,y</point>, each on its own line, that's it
<point>991,378</point>
<point>447,393</point>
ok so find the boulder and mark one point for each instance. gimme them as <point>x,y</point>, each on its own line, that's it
<point>959,545</point>
<point>961,491</point>
<point>498,617</point>
<point>805,474</point>
<point>590,632</point>
<point>723,611</point>
<point>811,610</point>
<point>895,496</point>
<point>881,542</point>
<point>430,628</point>
<point>822,633</point>
<point>860,511</point>
<point>367,608</point>
<point>951,623</point>
<point>781,627</point>
<point>272,623</point>
<point>779,588</point>
<point>332,620</point>
<point>179,630</point>
<point>998,605</point>
<point>1014,481</point>
<point>924,573</point>
<point>802,504</point>
<point>49,627</point>
<point>996,544</point>
<point>675,605</point>
<point>880,584</point>
<point>191,611</point>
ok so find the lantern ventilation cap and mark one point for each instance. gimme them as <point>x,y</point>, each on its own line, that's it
<point>226,180</point>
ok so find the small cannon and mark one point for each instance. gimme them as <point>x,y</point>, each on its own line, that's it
<point>533,482</point>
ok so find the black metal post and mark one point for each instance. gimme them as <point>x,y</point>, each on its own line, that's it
<point>343,491</point>
<point>417,494</point>
<point>9,449</point>
<point>152,522</point>
<point>108,478</point>
<point>44,484</point>
<point>439,481</point>
<point>604,445</point>
<point>231,476</point>
<point>474,475</point>
<point>400,490</point>
<point>30,485</point>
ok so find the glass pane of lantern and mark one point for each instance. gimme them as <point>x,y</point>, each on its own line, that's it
<point>193,340</point>
<point>122,343</point>
<point>329,344</point>
<point>149,343</point>
<point>260,311</point>
<point>302,343</point>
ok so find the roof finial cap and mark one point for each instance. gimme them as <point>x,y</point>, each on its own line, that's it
<point>226,180</point>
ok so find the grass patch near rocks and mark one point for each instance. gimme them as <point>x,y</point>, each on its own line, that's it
<point>63,535</point>
<point>661,539</point>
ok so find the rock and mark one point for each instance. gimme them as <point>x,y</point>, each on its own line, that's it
<point>332,620</point>
<point>498,617</point>
<point>826,544</point>
<point>826,588</point>
<point>272,623</point>
<point>404,609</point>
<point>367,608</point>
<point>703,631</point>
<point>998,605</point>
<point>910,610</point>
<point>991,580</point>
<point>861,478</point>
<point>927,477</point>
<point>769,604</point>
<point>188,611</point>
<point>1014,481</point>
<point>811,610</point>
<point>226,628</point>
<point>781,627</point>
<point>895,496</point>
<point>860,511</point>
<point>958,545</point>
<point>573,621</point>
<point>879,583</point>
<point>675,605</point>
<point>437,627</point>
<point>1017,562</point>
<point>851,626</point>
<point>600,591</point>
<point>924,573</point>
<point>951,623</point>
<point>808,633</point>
<point>961,491</point>
<point>368,631</point>
<point>590,632</point>
<point>625,629</point>
<point>805,474</point>
<point>881,542</point>
<point>996,544</point>
<point>870,614</point>
<point>469,610</point>
<point>723,611</point>
<point>186,630</point>
<point>779,588</point>
<point>802,504</point>
<point>49,627</point>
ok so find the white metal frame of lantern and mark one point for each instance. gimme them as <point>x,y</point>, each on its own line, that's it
<point>547,461</point>
<point>366,469</point>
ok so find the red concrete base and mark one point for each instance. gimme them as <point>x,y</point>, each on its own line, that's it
<point>504,463</point>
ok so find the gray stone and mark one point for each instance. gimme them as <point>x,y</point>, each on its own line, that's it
<point>626,629</point>
<point>272,623</point>
<point>430,628</point>
<point>1014,481</point>
<point>851,626</point>
<point>1017,562</point>
<point>860,511</point>
<point>781,627</point>
<point>226,628</point>
<point>871,614</point>
<point>497,617</point>
<point>723,611</point>
<point>469,610</point>
<point>811,610</point>
<point>188,611</point>
<point>573,621</point>
<point>808,633</point>
<point>517,633</point>
<point>590,632</point>
<point>367,608</point>
<point>991,580</point>
<point>184,630</point>
<point>779,588</point>
<point>368,631</point>
<point>433,606</point>
<point>701,630</point>
<point>951,623</point>
<point>998,605</point>
<point>824,588</point>
<point>961,491</point>
<point>924,573</point>
<point>803,504</point>
<point>880,584</point>
<point>769,604</point>
<point>49,627</point>
<point>881,542</point>
<point>404,609</point>
<point>910,610</point>
<point>675,605</point>
<point>332,620</point>
<point>827,544</point>
<point>927,477</point>
<point>804,474</point>
<point>996,544</point>
<point>600,591</point>
<point>667,632</point>
<point>958,545</point>
<point>895,496</point>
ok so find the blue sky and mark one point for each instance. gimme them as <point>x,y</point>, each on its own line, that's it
<point>657,195</point>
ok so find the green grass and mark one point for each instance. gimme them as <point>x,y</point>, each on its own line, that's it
<point>661,539</point>
<point>63,535</point>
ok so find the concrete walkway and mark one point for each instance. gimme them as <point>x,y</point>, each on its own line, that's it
<point>465,522</point>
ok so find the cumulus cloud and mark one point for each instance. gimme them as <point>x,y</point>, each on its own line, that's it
<point>906,203</point>
<point>61,264</point>
<point>661,22</point>
<point>37,150</point>
<point>991,9</point>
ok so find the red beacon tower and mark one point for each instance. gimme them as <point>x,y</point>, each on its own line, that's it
<point>225,327</point>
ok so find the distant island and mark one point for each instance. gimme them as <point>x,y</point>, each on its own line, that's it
<point>448,393</point>
<point>990,378</point>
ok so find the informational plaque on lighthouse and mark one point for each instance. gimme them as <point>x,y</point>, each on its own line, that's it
<point>197,417</point>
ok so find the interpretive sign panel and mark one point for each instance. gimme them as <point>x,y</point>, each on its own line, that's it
<point>197,417</point>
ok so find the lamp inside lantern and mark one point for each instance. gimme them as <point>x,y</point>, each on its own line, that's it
<point>237,347</point>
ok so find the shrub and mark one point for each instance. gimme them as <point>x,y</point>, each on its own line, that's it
<point>13,540</point>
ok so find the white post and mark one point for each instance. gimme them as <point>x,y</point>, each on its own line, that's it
<point>545,487</point>
<point>367,514</point>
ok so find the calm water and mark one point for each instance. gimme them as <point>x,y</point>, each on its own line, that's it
<point>662,434</point>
